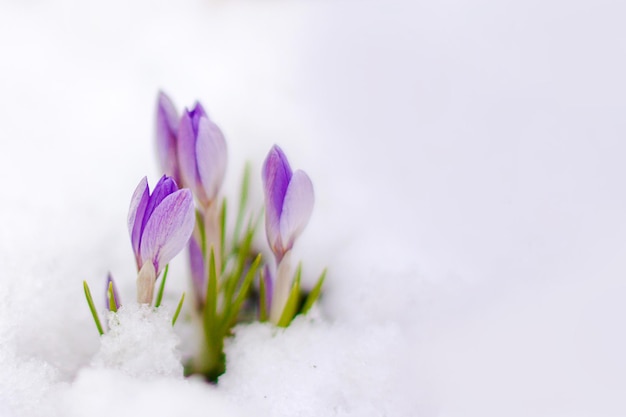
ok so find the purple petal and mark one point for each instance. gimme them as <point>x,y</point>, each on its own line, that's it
<point>168,229</point>
<point>164,187</point>
<point>211,156</point>
<point>297,208</point>
<point>136,214</point>
<point>116,296</point>
<point>166,130</point>
<point>196,114</point>
<point>187,151</point>
<point>196,262</point>
<point>276,176</point>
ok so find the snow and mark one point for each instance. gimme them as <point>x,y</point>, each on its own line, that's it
<point>467,159</point>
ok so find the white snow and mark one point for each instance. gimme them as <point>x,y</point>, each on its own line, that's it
<point>468,165</point>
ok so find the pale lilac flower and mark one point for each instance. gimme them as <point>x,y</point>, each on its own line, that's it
<point>201,154</point>
<point>116,296</point>
<point>288,202</point>
<point>160,225</point>
<point>166,131</point>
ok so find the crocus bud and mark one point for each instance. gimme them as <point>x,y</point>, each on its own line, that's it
<point>160,223</point>
<point>116,298</point>
<point>288,202</point>
<point>166,131</point>
<point>201,154</point>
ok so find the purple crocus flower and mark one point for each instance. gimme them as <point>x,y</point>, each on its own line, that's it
<point>166,131</point>
<point>288,202</point>
<point>201,154</point>
<point>160,225</point>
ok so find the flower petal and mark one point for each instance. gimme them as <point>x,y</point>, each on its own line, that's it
<point>297,208</point>
<point>186,146</point>
<point>276,176</point>
<point>168,229</point>
<point>166,129</point>
<point>136,214</point>
<point>211,156</point>
<point>164,187</point>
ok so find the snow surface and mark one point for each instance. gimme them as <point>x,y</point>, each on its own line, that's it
<point>468,163</point>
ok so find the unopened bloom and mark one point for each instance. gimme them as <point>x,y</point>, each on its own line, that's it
<point>116,298</point>
<point>160,225</point>
<point>166,133</point>
<point>288,202</point>
<point>201,154</point>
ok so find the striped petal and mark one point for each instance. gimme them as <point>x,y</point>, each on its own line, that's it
<point>166,131</point>
<point>276,176</point>
<point>168,229</point>
<point>136,214</point>
<point>297,208</point>
<point>211,156</point>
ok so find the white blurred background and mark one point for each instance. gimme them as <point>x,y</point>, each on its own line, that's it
<point>468,161</point>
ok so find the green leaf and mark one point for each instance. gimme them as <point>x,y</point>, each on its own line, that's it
<point>180,306</point>
<point>223,235</point>
<point>92,307</point>
<point>243,200</point>
<point>162,287</point>
<point>262,299</point>
<point>111,297</point>
<point>210,307</point>
<point>201,230</point>
<point>314,294</point>
<point>233,279</point>
<point>233,310</point>
<point>291,306</point>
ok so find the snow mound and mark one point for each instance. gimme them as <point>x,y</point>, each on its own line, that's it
<point>107,392</point>
<point>140,342</point>
<point>316,368</point>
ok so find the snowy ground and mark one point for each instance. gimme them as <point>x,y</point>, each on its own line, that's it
<point>468,161</point>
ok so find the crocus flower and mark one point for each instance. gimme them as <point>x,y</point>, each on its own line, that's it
<point>160,225</point>
<point>288,202</point>
<point>201,154</point>
<point>166,131</point>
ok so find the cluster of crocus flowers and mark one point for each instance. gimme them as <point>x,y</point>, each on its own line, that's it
<point>225,267</point>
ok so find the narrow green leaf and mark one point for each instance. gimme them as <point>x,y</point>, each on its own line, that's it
<point>111,297</point>
<point>243,200</point>
<point>291,306</point>
<point>234,278</point>
<point>180,306</point>
<point>92,307</point>
<point>314,294</point>
<point>162,287</point>
<point>233,309</point>
<point>223,235</point>
<point>210,307</point>
<point>262,298</point>
<point>200,226</point>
